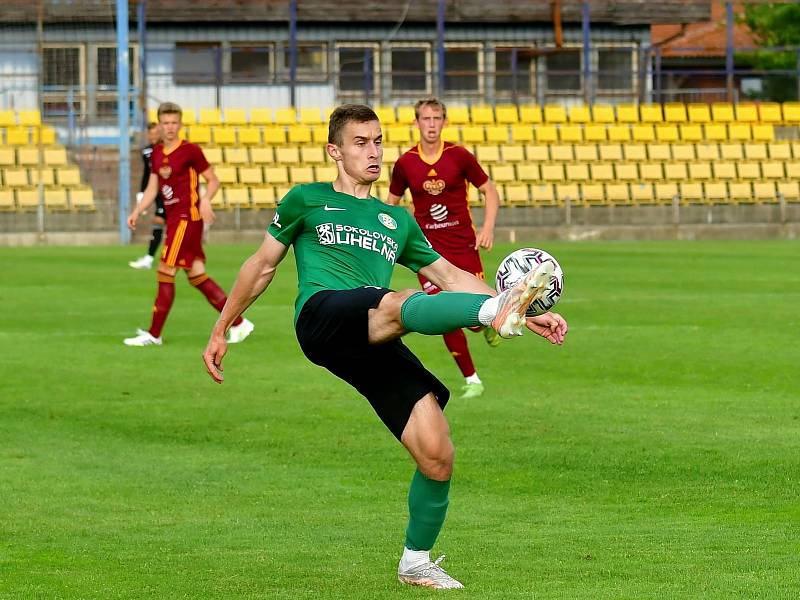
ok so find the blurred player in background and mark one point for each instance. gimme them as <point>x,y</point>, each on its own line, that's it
<point>347,320</point>
<point>146,261</point>
<point>438,174</point>
<point>176,165</point>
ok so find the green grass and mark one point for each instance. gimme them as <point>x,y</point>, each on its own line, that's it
<point>655,455</point>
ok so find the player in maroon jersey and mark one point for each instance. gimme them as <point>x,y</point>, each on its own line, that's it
<point>176,165</point>
<point>438,174</point>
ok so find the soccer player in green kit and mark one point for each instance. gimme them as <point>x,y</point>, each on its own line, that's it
<point>348,321</point>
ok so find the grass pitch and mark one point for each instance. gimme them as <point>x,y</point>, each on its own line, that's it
<point>655,455</point>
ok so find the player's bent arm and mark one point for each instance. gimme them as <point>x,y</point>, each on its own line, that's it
<point>150,193</point>
<point>485,237</point>
<point>448,277</point>
<point>392,199</point>
<point>212,185</point>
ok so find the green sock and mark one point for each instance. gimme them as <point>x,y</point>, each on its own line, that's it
<point>427,507</point>
<point>441,313</point>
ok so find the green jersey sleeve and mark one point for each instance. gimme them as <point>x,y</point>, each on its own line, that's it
<point>289,216</point>
<point>418,252</point>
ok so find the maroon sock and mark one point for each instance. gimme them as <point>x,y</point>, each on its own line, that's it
<point>164,299</point>
<point>213,293</point>
<point>456,342</point>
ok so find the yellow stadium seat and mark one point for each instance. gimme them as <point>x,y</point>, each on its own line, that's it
<point>502,173</point>
<point>188,116</point>
<point>513,152</point>
<point>398,134</point>
<point>487,153</point>
<point>777,151</point>
<point>530,113</point>
<point>545,133</point>
<point>552,172</point>
<point>311,116</point>
<point>763,132</point>
<point>482,115</point>
<point>262,196</point>
<point>450,133</point>
<point>746,112</point>
<point>237,195</point>
<point>472,134</point>
<point>791,113</point>
<point>521,133</point>
<point>287,155</point>
<point>642,193</point>
<point>627,172</point>
<point>603,113</point>
<point>249,136</point>
<point>675,171</point>
<point>691,192</point>
<point>18,136</point>
<point>15,177</point>
<point>659,152</point>
<point>517,193</point>
<point>236,156</point>
<point>651,171</point>
<point>722,112</point>
<point>586,152</point>
<point>594,133</point>
<point>458,115</point>
<point>666,191</point>
<point>619,133</point>
<point>537,152</point>
<point>568,192</point>
<point>7,157</point>
<point>707,151</point>
<point>571,133</point>
<point>7,201</point>
<point>213,154</point>
<point>577,172</point>
<point>234,116</point>
<point>629,113</point>
<point>299,134</point>
<point>561,152</point>
<point>405,115</point>
<point>795,149</point>
<point>739,131</point>
<point>276,175</point>
<point>691,133</point>
<point>674,112</point>
<point>699,171</point>
<point>610,152</point>
<point>29,118</point>
<point>790,190</point>
<point>506,114</point>
<point>715,132</point>
<point>8,119</point>
<point>748,170</point>
<point>44,174</point>
<point>47,134</point>
<point>210,116</point>
<point>764,191</point>
<point>261,155</point>
<point>555,113</point>
<point>312,155</point>
<point>200,134</point>
<point>528,172</point>
<point>152,114</point>
<point>698,113</point>
<point>226,174</point>
<point>319,134</point>
<point>390,155</point>
<point>251,175</point>
<point>285,116</point>
<point>683,152</point>
<point>602,172</point>
<point>579,114</point>
<point>650,113</point>
<point>635,152</point>
<point>770,112</point>
<point>618,193</point>
<point>740,191</point>
<point>27,198</point>
<point>593,193</point>
<point>223,136</point>
<point>543,193</point>
<point>772,169</point>
<point>55,156</point>
<point>724,170</point>
<point>385,114</point>
<point>28,155</point>
<point>81,198</point>
<point>261,116</point>
<point>667,133</point>
<point>755,151</point>
<point>301,174</point>
<point>731,151</point>
<point>497,134</point>
<point>329,173</point>
<point>715,191</point>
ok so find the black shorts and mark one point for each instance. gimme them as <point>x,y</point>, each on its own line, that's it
<point>160,207</point>
<point>333,333</point>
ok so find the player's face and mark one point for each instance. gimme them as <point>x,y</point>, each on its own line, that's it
<point>430,123</point>
<point>154,135</point>
<point>361,152</point>
<point>170,124</point>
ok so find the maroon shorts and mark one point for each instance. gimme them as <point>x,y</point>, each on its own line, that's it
<point>467,261</point>
<point>184,244</point>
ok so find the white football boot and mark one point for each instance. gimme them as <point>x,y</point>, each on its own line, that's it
<point>429,574</point>
<point>142,338</point>
<point>238,333</point>
<point>510,317</point>
<point>146,262</point>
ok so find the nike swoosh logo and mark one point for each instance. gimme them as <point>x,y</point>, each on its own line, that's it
<point>333,208</point>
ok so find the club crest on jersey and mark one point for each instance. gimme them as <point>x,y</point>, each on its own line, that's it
<point>434,186</point>
<point>325,234</point>
<point>387,221</point>
<point>165,171</point>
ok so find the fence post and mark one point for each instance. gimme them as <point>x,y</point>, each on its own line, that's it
<point>123,112</point>
<point>293,53</point>
<point>729,50</point>
<point>588,84</point>
<point>567,211</point>
<point>440,46</point>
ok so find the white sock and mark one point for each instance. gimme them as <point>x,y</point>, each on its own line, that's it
<point>473,378</point>
<point>488,310</point>
<point>412,558</point>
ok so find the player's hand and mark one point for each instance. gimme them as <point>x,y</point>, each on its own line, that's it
<point>551,326</point>
<point>132,218</point>
<point>207,213</point>
<point>484,239</point>
<point>215,351</point>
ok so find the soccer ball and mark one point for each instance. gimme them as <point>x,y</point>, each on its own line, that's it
<point>520,262</point>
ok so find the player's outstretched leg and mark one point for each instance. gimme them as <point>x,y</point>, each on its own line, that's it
<point>511,305</point>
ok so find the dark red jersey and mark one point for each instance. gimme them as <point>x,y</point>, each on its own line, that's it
<point>439,192</point>
<point>178,179</point>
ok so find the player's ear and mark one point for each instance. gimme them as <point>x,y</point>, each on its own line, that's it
<point>334,152</point>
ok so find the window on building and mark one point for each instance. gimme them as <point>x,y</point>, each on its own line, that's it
<point>197,62</point>
<point>311,61</point>
<point>106,78</point>
<point>356,69</point>
<point>251,63</point>
<point>411,70</point>
<point>63,80</point>
<point>462,69</point>
<point>615,69</point>
<point>564,70</point>
<point>514,71</point>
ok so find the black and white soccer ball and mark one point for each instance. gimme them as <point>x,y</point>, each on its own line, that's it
<point>520,262</point>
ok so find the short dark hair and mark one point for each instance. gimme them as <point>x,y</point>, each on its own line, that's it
<point>431,101</point>
<point>169,108</point>
<point>348,113</point>
<point>151,125</point>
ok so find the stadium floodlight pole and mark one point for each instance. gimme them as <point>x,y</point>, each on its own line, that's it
<point>123,112</point>
<point>588,95</point>
<point>729,49</point>
<point>141,31</point>
<point>440,45</point>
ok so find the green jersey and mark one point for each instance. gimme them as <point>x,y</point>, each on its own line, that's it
<point>342,242</point>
